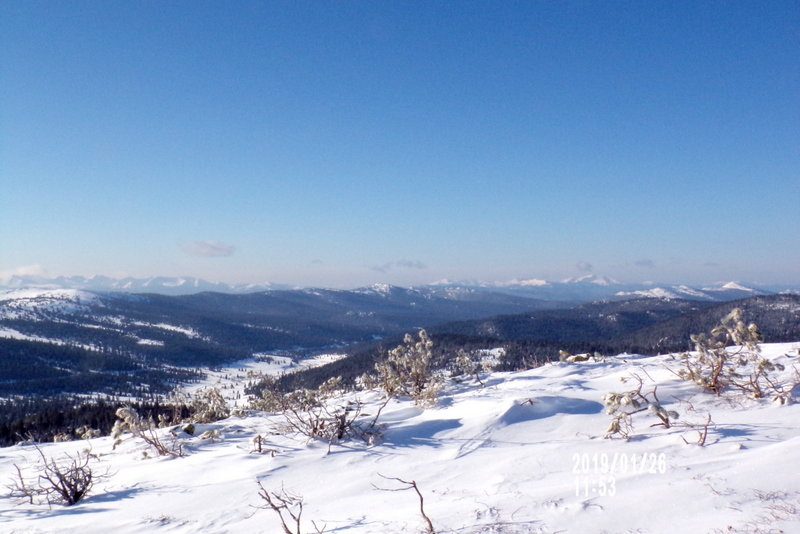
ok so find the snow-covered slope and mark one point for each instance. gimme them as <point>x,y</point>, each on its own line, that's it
<point>524,454</point>
<point>42,301</point>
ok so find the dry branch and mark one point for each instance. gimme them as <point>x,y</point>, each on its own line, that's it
<point>410,484</point>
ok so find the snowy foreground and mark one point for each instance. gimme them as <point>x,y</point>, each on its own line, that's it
<point>524,454</point>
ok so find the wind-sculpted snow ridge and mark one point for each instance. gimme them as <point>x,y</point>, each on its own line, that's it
<point>524,453</point>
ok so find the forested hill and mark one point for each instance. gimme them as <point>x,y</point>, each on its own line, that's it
<point>74,341</point>
<point>645,325</point>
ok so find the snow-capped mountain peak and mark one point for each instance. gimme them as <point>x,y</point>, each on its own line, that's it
<point>733,286</point>
<point>591,279</point>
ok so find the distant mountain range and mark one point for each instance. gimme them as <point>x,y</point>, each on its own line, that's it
<point>642,324</point>
<point>56,340</point>
<point>586,288</point>
<point>591,288</point>
<point>163,285</point>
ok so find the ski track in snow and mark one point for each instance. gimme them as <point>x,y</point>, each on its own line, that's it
<point>524,454</point>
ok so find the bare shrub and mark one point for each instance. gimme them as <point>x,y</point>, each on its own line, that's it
<point>208,405</point>
<point>271,399</point>
<point>322,414</point>
<point>407,371</point>
<point>288,508</point>
<point>566,357</point>
<point>468,364</point>
<point>730,358</point>
<point>129,421</point>
<point>66,481</point>
<point>321,421</point>
<point>623,406</point>
<point>87,432</point>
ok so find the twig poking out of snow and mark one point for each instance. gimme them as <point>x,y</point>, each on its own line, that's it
<point>410,484</point>
<point>282,503</point>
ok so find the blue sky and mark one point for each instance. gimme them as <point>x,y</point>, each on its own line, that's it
<point>346,143</point>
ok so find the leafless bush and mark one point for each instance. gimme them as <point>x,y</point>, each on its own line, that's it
<point>208,405</point>
<point>64,481</point>
<point>407,485</point>
<point>407,371</point>
<point>145,429</point>
<point>271,399</point>
<point>623,406</point>
<point>320,421</point>
<point>730,357</point>
<point>87,432</point>
<point>468,364</point>
<point>287,506</point>
<point>322,414</point>
<point>564,356</point>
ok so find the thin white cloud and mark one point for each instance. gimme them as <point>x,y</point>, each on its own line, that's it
<point>208,249</point>
<point>34,270</point>
<point>530,282</point>
<point>584,266</point>
<point>649,264</point>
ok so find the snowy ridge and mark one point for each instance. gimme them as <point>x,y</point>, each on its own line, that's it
<point>524,454</point>
<point>22,303</point>
<point>685,292</point>
<point>655,293</point>
<point>591,279</point>
<point>43,295</point>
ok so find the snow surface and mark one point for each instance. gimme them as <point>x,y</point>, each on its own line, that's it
<point>185,330</point>
<point>10,333</point>
<point>511,457</point>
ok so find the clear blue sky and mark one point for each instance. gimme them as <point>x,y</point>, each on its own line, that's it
<point>345,143</point>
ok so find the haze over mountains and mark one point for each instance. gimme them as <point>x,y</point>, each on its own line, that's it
<point>165,285</point>
<point>580,289</point>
